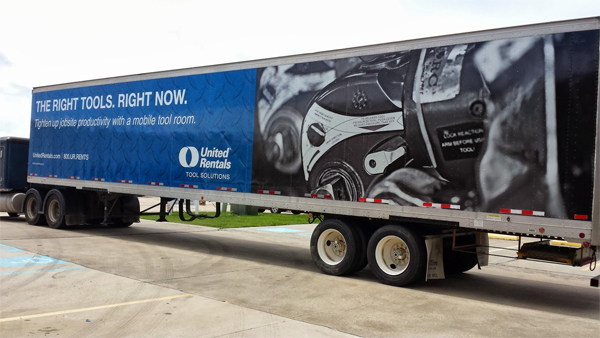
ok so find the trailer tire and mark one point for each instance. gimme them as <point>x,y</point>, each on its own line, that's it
<point>458,261</point>
<point>335,247</point>
<point>55,209</point>
<point>129,208</point>
<point>275,210</point>
<point>363,241</point>
<point>119,223</point>
<point>397,255</point>
<point>32,204</point>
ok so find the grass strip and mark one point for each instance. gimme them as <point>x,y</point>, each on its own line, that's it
<point>229,220</point>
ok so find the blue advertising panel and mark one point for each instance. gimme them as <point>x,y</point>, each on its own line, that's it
<point>190,131</point>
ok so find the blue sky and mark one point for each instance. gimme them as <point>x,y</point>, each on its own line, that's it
<point>51,42</point>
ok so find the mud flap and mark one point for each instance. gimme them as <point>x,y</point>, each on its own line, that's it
<point>435,258</point>
<point>483,248</point>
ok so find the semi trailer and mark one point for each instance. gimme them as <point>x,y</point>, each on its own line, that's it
<point>408,153</point>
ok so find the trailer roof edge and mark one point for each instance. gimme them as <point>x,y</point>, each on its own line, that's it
<point>467,37</point>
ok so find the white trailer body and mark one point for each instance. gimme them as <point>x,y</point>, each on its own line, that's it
<point>492,131</point>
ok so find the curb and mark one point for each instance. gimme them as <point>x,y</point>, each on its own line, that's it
<point>504,237</point>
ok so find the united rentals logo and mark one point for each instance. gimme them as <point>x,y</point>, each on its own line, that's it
<point>205,158</point>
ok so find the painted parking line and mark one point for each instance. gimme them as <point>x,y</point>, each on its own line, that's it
<point>58,313</point>
<point>6,248</point>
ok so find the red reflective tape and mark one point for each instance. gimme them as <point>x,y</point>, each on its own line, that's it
<point>269,192</point>
<point>446,206</point>
<point>527,212</point>
<point>377,200</point>
<point>362,199</point>
<point>427,204</point>
<point>582,217</point>
<point>317,196</point>
<point>505,211</point>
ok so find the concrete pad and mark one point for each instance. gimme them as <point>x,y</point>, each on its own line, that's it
<point>272,273</point>
<point>91,303</point>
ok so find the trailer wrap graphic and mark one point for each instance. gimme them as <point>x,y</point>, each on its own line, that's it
<point>494,126</point>
<point>192,131</point>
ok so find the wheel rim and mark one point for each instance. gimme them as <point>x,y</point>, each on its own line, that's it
<point>31,208</point>
<point>392,255</point>
<point>54,211</point>
<point>332,247</point>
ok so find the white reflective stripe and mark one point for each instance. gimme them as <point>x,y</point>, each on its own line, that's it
<point>226,189</point>
<point>269,192</point>
<point>441,205</point>
<point>522,212</point>
<point>373,200</point>
<point>317,196</point>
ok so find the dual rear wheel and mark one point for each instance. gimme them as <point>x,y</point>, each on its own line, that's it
<point>55,209</point>
<point>396,254</point>
<point>32,206</point>
<point>338,247</point>
<point>59,205</point>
